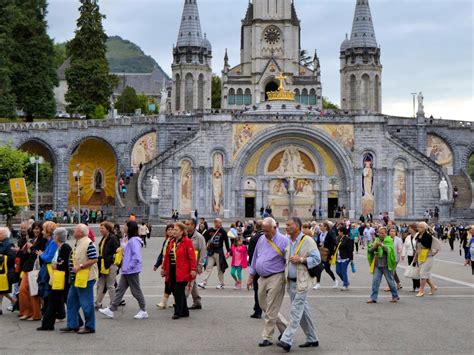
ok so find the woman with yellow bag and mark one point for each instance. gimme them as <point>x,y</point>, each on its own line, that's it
<point>424,257</point>
<point>55,308</point>
<point>7,265</point>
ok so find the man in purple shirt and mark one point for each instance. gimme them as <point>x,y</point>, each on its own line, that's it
<point>269,263</point>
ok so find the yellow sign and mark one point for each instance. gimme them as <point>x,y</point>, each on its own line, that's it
<point>19,192</point>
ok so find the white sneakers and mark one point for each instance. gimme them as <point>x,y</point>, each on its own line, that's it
<point>317,287</point>
<point>202,285</point>
<point>220,286</point>
<point>107,312</point>
<point>344,288</point>
<point>336,283</point>
<point>141,315</point>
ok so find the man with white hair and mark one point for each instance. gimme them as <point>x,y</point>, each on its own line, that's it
<point>83,257</point>
<point>269,263</point>
<point>7,257</point>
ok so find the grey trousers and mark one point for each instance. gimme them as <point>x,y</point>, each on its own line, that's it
<point>299,316</point>
<point>194,293</point>
<point>106,281</point>
<point>126,281</point>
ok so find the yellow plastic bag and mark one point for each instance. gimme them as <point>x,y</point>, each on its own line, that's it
<point>59,280</point>
<point>196,252</point>
<point>50,270</point>
<point>118,257</point>
<point>423,255</point>
<point>334,257</point>
<point>4,285</point>
<point>103,270</point>
<point>82,277</point>
<point>372,266</point>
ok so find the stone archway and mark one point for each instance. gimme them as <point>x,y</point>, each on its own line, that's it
<point>271,86</point>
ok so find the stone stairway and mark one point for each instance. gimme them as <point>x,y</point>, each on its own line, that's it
<point>464,199</point>
<point>131,197</point>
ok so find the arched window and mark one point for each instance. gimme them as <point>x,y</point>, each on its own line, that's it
<point>297,95</point>
<point>189,56</point>
<point>178,93</point>
<point>239,100</point>
<point>353,88</point>
<point>304,97</point>
<point>377,94</point>
<point>201,92</point>
<point>312,97</point>
<point>189,93</point>
<point>231,97</point>
<point>365,92</point>
<point>247,97</point>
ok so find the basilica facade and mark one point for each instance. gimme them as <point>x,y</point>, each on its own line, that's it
<point>273,144</point>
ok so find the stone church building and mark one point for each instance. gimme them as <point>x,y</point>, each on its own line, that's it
<point>272,144</point>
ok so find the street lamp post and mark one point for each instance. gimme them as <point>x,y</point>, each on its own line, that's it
<point>37,162</point>
<point>414,103</point>
<point>77,176</point>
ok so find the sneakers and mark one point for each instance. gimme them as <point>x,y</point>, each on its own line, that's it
<point>317,287</point>
<point>344,288</point>
<point>202,285</point>
<point>161,305</point>
<point>107,312</point>
<point>336,283</point>
<point>238,286</point>
<point>141,315</point>
<point>220,287</point>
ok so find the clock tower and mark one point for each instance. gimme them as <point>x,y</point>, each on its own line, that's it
<point>270,45</point>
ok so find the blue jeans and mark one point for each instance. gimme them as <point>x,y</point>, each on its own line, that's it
<point>378,272</point>
<point>81,298</point>
<point>299,316</point>
<point>341,271</point>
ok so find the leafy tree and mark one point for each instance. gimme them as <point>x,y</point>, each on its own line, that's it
<point>60,54</point>
<point>7,98</point>
<point>99,113</point>
<point>89,82</point>
<point>305,58</point>
<point>143,103</point>
<point>32,58</point>
<point>216,91</point>
<point>128,101</point>
<point>328,105</point>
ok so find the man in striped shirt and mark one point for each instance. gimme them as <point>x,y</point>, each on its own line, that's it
<point>83,275</point>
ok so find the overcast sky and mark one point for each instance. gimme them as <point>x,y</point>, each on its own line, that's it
<point>427,45</point>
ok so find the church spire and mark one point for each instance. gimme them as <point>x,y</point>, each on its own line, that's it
<point>363,34</point>
<point>190,33</point>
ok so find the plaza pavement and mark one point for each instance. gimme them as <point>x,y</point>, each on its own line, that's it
<point>440,324</point>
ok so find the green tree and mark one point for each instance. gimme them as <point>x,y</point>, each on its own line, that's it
<point>12,165</point>
<point>60,54</point>
<point>7,98</point>
<point>216,89</point>
<point>89,82</point>
<point>32,58</point>
<point>99,113</point>
<point>328,105</point>
<point>143,103</point>
<point>305,58</point>
<point>127,102</point>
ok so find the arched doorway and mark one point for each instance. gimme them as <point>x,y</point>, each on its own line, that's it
<point>271,86</point>
<point>97,160</point>
<point>46,172</point>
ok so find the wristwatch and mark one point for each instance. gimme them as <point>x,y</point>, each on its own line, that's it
<point>301,259</point>
<point>81,266</point>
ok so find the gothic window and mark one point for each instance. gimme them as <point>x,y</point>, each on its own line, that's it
<point>247,97</point>
<point>365,92</point>
<point>312,97</point>
<point>272,35</point>
<point>297,96</point>
<point>201,57</point>
<point>304,97</point>
<point>189,93</point>
<point>178,92</point>
<point>201,92</point>
<point>231,97</point>
<point>377,93</point>
<point>239,100</point>
<point>353,93</point>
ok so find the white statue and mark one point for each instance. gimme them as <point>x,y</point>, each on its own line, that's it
<point>291,162</point>
<point>443,190</point>
<point>155,187</point>
<point>164,99</point>
<point>421,108</point>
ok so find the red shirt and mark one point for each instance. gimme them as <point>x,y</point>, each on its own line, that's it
<point>185,259</point>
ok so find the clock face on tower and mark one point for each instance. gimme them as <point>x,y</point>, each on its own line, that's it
<point>272,35</point>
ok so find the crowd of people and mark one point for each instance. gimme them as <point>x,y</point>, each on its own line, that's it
<point>49,281</point>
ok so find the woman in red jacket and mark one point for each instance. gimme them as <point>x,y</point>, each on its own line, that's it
<point>179,267</point>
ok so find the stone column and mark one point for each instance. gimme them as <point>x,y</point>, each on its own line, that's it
<point>324,196</point>
<point>291,192</point>
<point>61,181</point>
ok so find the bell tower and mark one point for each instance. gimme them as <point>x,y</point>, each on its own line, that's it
<point>361,71</point>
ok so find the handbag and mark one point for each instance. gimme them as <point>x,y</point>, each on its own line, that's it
<point>4,285</point>
<point>59,280</point>
<point>118,257</point>
<point>82,278</point>
<point>423,255</point>
<point>372,266</point>
<point>353,267</point>
<point>412,272</point>
<point>334,257</point>
<point>324,252</point>
<point>33,278</point>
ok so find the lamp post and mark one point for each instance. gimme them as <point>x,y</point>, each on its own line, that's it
<point>37,162</point>
<point>77,176</point>
<point>414,103</point>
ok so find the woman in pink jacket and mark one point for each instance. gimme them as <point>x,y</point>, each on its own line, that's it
<point>239,261</point>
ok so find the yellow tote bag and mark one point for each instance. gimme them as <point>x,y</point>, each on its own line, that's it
<point>334,257</point>
<point>372,266</point>
<point>59,280</point>
<point>118,257</point>
<point>423,255</point>
<point>50,270</point>
<point>4,286</point>
<point>103,270</point>
<point>82,277</point>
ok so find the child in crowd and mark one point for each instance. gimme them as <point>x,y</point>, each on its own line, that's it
<point>239,261</point>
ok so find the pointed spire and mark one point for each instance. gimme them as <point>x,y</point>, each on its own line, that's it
<point>226,58</point>
<point>190,33</point>
<point>363,34</point>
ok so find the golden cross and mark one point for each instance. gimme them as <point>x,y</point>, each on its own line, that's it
<point>281,78</point>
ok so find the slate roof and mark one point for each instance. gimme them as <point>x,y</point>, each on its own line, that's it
<point>190,33</point>
<point>363,34</point>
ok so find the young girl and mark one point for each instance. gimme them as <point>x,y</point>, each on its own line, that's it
<point>239,261</point>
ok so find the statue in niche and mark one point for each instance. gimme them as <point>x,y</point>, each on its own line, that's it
<point>443,189</point>
<point>155,187</point>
